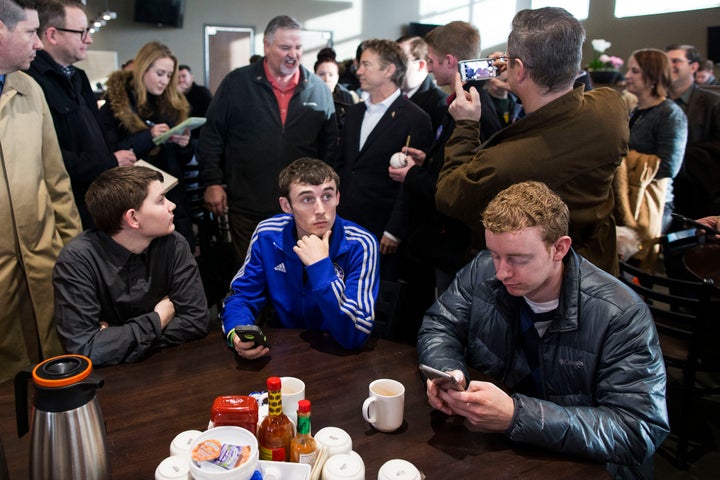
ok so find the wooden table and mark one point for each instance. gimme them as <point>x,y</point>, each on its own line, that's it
<point>146,404</point>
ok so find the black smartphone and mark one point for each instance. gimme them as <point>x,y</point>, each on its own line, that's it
<point>695,223</point>
<point>252,333</point>
<point>443,379</point>
<point>477,69</point>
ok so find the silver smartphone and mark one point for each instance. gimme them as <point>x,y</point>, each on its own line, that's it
<point>477,69</point>
<point>443,379</point>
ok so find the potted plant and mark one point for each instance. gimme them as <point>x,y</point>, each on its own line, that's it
<point>603,68</point>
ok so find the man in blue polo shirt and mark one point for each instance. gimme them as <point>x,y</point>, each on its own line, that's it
<point>319,271</point>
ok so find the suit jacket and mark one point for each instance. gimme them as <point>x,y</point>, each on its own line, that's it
<point>432,100</point>
<point>431,236</point>
<point>369,195</point>
<point>697,185</point>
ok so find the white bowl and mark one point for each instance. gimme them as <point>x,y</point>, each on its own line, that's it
<point>226,435</point>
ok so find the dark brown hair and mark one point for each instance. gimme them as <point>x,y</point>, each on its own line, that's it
<point>116,191</point>
<point>306,170</point>
<point>656,70</point>
<point>388,53</point>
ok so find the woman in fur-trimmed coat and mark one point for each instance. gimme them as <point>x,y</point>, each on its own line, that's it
<point>142,104</point>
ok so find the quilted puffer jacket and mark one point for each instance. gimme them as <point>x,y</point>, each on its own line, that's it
<point>602,368</point>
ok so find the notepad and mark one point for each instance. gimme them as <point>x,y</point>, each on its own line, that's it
<point>168,180</point>
<point>190,123</point>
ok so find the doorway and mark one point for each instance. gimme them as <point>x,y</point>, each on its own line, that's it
<point>226,48</point>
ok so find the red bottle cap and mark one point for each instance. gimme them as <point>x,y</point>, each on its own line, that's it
<point>273,383</point>
<point>304,406</point>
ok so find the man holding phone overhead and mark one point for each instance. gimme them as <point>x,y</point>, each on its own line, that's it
<point>577,348</point>
<point>570,139</point>
<point>319,271</point>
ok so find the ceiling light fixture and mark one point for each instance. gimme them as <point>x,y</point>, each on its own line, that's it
<point>102,19</point>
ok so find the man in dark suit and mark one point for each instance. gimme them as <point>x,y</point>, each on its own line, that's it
<point>419,86</point>
<point>375,130</point>
<point>697,186</point>
<point>66,37</point>
<point>435,246</point>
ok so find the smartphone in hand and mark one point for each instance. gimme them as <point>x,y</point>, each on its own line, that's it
<point>443,380</point>
<point>695,223</point>
<point>477,69</point>
<point>252,333</point>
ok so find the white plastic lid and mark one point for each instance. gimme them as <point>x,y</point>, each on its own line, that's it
<point>335,439</point>
<point>344,466</point>
<point>175,467</point>
<point>398,469</point>
<point>182,441</point>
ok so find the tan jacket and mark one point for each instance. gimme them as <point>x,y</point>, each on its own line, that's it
<point>37,217</point>
<point>640,201</point>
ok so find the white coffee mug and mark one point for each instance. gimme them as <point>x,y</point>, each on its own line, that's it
<point>383,409</point>
<point>292,390</point>
<point>398,469</point>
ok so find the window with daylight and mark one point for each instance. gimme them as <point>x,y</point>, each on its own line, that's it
<point>633,8</point>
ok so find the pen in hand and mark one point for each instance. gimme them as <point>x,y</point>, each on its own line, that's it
<point>149,123</point>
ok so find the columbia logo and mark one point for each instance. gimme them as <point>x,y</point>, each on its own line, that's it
<point>280,267</point>
<point>571,363</point>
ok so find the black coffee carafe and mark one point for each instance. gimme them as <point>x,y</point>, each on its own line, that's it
<point>68,431</point>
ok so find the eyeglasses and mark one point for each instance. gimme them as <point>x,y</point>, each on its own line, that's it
<point>83,33</point>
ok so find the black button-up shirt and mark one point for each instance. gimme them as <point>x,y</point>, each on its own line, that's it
<point>97,281</point>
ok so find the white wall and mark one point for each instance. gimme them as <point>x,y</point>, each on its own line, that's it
<point>355,20</point>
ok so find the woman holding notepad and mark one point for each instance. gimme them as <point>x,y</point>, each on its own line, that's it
<point>142,105</point>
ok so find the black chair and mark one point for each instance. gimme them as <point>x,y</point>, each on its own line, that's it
<point>388,307</point>
<point>685,316</point>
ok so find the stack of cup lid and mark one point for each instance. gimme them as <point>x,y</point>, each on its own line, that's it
<point>399,469</point>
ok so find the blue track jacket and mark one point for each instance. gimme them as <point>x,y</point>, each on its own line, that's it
<point>336,294</point>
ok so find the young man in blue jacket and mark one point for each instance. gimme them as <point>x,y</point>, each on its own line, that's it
<point>319,271</point>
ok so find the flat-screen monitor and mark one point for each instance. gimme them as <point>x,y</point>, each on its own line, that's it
<point>420,29</point>
<point>163,13</point>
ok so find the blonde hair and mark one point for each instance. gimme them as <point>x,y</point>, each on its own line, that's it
<point>172,104</point>
<point>528,204</point>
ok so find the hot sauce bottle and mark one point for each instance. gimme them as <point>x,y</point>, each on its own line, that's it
<point>276,430</point>
<point>302,447</point>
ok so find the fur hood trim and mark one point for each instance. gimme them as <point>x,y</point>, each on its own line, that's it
<point>124,104</point>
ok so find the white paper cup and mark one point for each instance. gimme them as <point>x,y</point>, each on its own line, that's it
<point>383,409</point>
<point>182,441</point>
<point>175,467</point>
<point>344,466</point>
<point>398,469</point>
<point>336,440</point>
<point>292,391</point>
